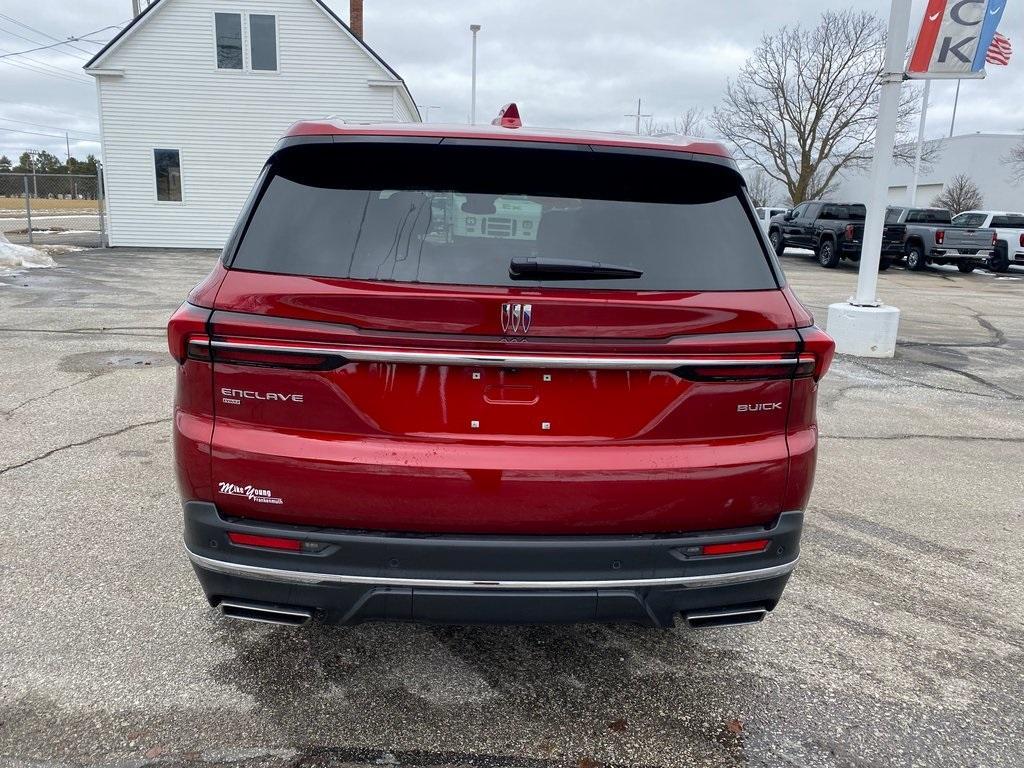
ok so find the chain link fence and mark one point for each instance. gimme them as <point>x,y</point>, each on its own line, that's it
<point>52,209</point>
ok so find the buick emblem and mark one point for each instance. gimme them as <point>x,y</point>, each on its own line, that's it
<point>515,318</point>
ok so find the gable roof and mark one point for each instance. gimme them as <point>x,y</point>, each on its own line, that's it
<point>139,20</point>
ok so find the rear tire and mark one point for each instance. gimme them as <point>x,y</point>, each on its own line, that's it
<point>884,264</point>
<point>965,266</point>
<point>778,244</point>
<point>915,258</point>
<point>1000,260</point>
<point>828,254</point>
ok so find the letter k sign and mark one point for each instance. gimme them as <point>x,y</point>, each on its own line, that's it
<point>949,48</point>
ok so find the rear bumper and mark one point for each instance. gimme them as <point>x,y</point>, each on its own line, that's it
<point>951,253</point>
<point>359,576</point>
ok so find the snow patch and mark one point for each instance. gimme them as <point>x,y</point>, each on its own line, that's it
<point>17,257</point>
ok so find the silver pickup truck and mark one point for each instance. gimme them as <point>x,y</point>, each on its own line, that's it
<point>923,236</point>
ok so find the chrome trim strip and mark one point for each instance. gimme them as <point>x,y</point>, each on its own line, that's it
<point>492,360</point>
<point>698,615</point>
<point>310,577</point>
<point>298,613</point>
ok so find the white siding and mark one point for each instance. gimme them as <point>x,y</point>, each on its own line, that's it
<point>224,122</point>
<point>980,155</point>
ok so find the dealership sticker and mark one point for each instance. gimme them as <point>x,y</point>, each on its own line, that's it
<point>259,495</point>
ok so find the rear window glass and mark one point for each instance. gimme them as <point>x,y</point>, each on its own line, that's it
<point>1010,221</point>
<point>969,220</point>
<point>845,212</point>
<point>461,215</point>
<point>928,216</point>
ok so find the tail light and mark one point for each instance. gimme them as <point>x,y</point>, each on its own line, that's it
<point>266,542</point>
<point>202,349</point>
<point>1022,239</point>
<point>187,323</point>
<point>849,231</point>
<point>274,542</point>
<point>819,348</point>
<point>736,547</point>
<point>756,370</point>
<point>940,236</point>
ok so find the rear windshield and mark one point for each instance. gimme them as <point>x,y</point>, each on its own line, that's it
<point>1009,221</point>
<point>462,215</point>
<point>854,212</point>
<point>970,220</point>
<point>928,216</point>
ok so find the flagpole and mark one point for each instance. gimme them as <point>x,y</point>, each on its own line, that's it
<point>920,141</point>
<point>863,326</point>
<point>955,100</point>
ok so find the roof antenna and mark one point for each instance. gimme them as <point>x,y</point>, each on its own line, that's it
<point>508,116</point>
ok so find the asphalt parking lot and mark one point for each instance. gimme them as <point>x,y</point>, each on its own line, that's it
<point>900,640</point>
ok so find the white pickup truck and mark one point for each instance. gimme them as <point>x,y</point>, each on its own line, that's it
<point>765,213</point>
<point>1009,229</point>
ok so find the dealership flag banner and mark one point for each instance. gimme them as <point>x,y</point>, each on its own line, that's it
<point>955,39</point>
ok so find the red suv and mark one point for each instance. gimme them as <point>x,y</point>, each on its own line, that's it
<point>495,374</point>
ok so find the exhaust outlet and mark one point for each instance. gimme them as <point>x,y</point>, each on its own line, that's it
<point>267,614</point>
<point>702,619</point>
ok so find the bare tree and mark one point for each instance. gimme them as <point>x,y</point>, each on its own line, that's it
<point>1015,159</point>
<point>961,194</point>
<point>693,122</point>
<point>761,188</point>
<point>804,105</point>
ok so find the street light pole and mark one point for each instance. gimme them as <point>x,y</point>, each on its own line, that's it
<point>474,28</point>
<point>952,121</point>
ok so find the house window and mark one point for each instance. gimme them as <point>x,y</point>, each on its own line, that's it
<point>263,42</point>
<point>229,40</point>
<point>167,164</point>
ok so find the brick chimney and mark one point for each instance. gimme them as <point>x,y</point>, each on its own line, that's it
<point>355,17</point>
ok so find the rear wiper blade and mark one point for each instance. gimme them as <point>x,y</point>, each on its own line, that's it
<point>568,269</point>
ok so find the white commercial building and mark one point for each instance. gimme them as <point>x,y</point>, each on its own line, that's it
<point>193,95</point>
<point>982,156</point>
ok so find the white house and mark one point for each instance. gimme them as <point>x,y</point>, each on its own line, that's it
<point>982,156</point>
<point>193,95</point>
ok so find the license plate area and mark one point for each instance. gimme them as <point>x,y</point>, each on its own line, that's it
<point>563,402</point>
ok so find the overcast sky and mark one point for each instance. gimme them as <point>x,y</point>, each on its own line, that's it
<point>571,63</point>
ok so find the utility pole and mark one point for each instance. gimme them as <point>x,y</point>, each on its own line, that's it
<point>71,184</point>
<point>637,115</point>
<point>474,28</point>
<point>32,159</point>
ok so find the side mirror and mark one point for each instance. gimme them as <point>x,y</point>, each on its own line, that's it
<point>788,215</point>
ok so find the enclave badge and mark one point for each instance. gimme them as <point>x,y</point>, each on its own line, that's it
<point>515,318</point>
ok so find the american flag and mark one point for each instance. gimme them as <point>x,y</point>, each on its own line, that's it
<point>999,52</point>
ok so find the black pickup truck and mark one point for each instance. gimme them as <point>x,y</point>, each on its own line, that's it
<point>832,230</point>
